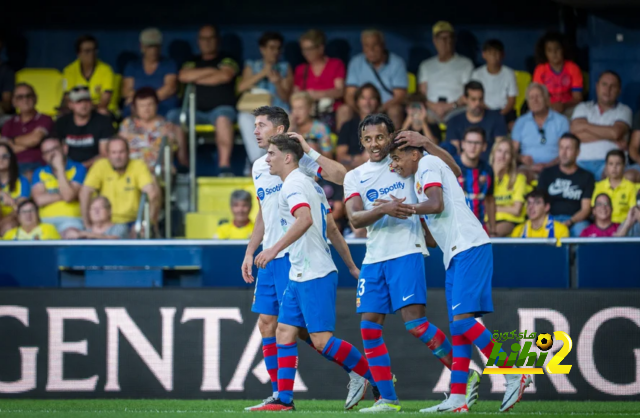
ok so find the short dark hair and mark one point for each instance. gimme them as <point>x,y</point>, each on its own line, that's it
<point>216,31</point>
<point>14,171</point>
<point>475,130</point>
<point>274,114</point>
<point>552,36</point>
<point>118,138</point>
<point>377,119</point>
<point>495,44</point>
<point>146,93</point>
<point>29,201</point>
<point>539,193</point>
<point>27,85</point>
<point>613,73</point>
<point>416,97</point>
<point>395,144</point>
<point>364,87</point>
<point>603,194</point>
<point>52,138</point>
<point>615,153</point>
<point>473,85</point>
<point>288,145</point>
<point>270,36</point>
<point>573,137</point>
<point>85,38</point>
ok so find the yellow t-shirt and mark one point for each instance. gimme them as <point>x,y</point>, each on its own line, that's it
<point>100,81</point>
<point>122,190</point>
<point>506,197</point>
<point>622,197</point>
<point>41,232</point>
<point>22,190</point>
<point>74,172</point>
<point>549,229</point>
<point>230,231</point>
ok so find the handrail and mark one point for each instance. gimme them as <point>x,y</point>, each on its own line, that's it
<point>167,191</point>
<point>143,214</point>
<point>188,123</point>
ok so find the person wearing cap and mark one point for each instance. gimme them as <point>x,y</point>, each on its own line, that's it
<point>153,71</point>
<point>442,78</point>
<point>89,71</point>
<point>84,131</point>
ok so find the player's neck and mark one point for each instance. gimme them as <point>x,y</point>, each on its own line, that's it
<point>603,223</point>
<point>538,223</point>
<point>615,182</point>
<point>569,169</point>
<point>469,162</point>
<point>287,170</point>
<point>494,68</point>
<point>240,224</point>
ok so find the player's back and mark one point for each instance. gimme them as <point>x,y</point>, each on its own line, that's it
<point>456,228</point>
<point>388,237</point>
<point>310,255</point>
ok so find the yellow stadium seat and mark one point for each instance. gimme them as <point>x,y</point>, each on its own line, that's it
<point>523,79</point>
<point>47,83</point>
<point>214,194</point>
<point>207,129</point>
<point>203,225</point>
<point>412,86</point>
<point>117,93</point>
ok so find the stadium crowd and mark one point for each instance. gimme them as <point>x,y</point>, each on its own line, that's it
<point>564,167</point>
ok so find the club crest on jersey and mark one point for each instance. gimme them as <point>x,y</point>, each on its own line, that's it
<point>358,302</point>
<point>418,188</point>
<point>373,194</point>
<point>391,168</point>
<point>283,222</point>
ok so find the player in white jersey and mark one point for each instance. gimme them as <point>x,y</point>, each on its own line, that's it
<point>468,261</point>
<point>392,277</point>
<point>272,280</point>
<point>309,300</point>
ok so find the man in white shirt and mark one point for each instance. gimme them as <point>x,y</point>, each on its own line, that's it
<point>442,78</point>
<point>601,125</point>
<point>468,260</point>
<point>272,280</point>
<point>393,276</point>
<point>309,301</point>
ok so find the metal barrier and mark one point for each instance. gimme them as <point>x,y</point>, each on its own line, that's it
<point>188,123</point>
<point>162,171</point>
<point>142,226</point>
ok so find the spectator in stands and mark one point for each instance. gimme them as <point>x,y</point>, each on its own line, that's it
<point>7,84</point>
<point>383,69</point>
<point>26,130</point>
<point>31,228</point>
<point>267,75</point>
<point>14,188</point>
<point>570,187</point>
<point>241,226</point>
<point>418,120</point>
<point>313,131</point>
<point>213,73</point>
<point>509,189</point>
<point>100,223</point>
<point>563,78</point>
<point>122,181</point>
<point>146,130</point>
<point>161,74</point>
<point>90,72</point>
<point>321,76</point>
<point>603,225</point>
<point>56,187</point>
<point>477,179</point>
<point>349,151</point>
<point>621,191</point>
<point>631,226</point>
<point>633,171</point>
<point>442,78</point>
<point>602,124</point>
<point>499,81</point>
<point>540,224</point>
<point>84,131</point>
<point>536,133</point>
<point>476,115</point>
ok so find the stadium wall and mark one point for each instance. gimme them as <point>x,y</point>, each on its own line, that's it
<point>205,344</point>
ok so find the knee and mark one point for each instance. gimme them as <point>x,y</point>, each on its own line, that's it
<point>222,122</point>
<point>285,334</point>
<point>413,312</point>
<point>267,325</point>
<point>320,341</point>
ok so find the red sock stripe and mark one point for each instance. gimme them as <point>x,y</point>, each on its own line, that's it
<point>447,360</point>
<point>458,388</point>
<point>273,375</point>
<point>461,364</point>
<point>285,384</point>
<point>474,332</point>
<point>487,352</point>
<point>343,352</point>
<point>459,340</point>
<point>378,351</point>
<point>362,366</point>
<point>380,373</point>
<point>290,362</point>
<point>419,330</point>
<point>437,340</point>
<point>269,350</point>
<point>371,334</point>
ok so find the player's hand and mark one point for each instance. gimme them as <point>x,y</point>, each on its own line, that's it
<point>305,147</point>
<point>355,272</point>
<point>411,139</point>
<point>395,207</point>
<point>264,257</point>
<point>247,267</point>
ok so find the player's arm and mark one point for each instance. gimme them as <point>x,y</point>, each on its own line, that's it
<point>361,218</point>
<point>300,226</point>
<point>414,139</point>
<point>338,242</point>
<point>431,242</point>
<point>434,203</point>
<point>490,205</point>
<point>332,170</point>
<point>254,242</point>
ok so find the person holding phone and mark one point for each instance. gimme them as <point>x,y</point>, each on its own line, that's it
<point>417,120</point>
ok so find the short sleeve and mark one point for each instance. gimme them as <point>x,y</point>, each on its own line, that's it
<point>423,72</point>
<point>129,71</point>
<point>589,186</point>
<point>454,128</point>
<point>519,188</point>
<point>350,186</point>
<point>492,181</point>
<point>543,180</point>
<point>352,77</point>
<point>537,74</point>
<point>512,85</point>
<point>25,187</point>
<point>170,67</point>
<point>400,79</point>
<point>500,128</point>
<point>518,127</point>
<point>564,123</point>
<point>106,130</point>
<point>108,82</point>
<point>429,176</point>
<point>94,176</point>
<point>466,75</point>
<point>143,176</point>
<point>68,81</point>
<point>80,174</point>
<point>339,71</point>
<point>561,230</point>
<point>5,129</point>
<point>580,111</point>
<point>517,231</point>
<point>10,234</point>
<point>576,77</point>
<point>625,115</point>
<point>49,231</point>
<point>231,63</point>
<point>309,167</point>
<point>295,196</point>
<point>46,123</point>
<point>298,76</point>
<point>636,122</point>
<point>223,231</point>
<point>35,178</point>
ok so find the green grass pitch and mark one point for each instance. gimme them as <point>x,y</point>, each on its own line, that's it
<point>305,408</point>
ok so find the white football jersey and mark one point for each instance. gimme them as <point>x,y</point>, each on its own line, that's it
<point>389,237</point>
<point>310,255</point>
<point>267,190</point>
<point>456,229</point>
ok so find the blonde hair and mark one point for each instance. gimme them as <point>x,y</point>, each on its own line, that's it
<point>511,165</point>
<point>303,95</point>
<point>314,35</point>
<point>543,90</point>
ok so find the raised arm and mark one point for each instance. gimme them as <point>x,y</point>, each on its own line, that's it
<point>338,242</point>
<point>414,139</point>
<point>332,170</point>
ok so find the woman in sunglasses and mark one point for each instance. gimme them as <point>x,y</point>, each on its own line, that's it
<point>30,229</point>
<point>14,188</point>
